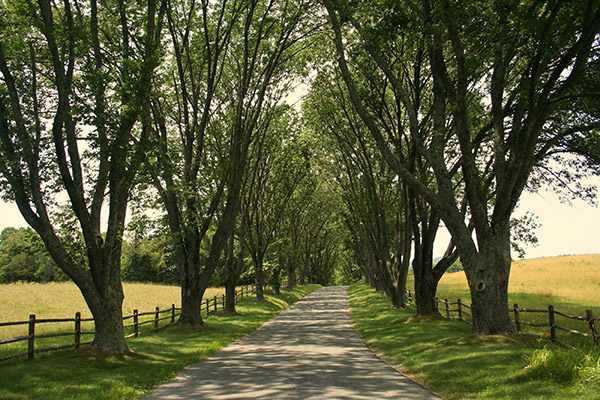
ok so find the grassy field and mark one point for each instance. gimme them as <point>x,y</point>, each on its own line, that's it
<point>63,299</point>
<point>155,359</point>
<point>566,279</point>
<point>570,283</point>
<point>444,355</point>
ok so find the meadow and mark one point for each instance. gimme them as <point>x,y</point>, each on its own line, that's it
<point>443,355</point>
<point>570,283</point>
<point>63,300</point>
<point>570,280</point>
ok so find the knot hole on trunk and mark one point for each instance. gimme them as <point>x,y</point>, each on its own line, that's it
<point>480,287</point>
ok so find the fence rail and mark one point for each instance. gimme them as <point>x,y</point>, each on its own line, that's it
<point>209,306</point>
<point>445,309</point>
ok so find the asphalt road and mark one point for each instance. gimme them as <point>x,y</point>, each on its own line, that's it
<point>309,351</point>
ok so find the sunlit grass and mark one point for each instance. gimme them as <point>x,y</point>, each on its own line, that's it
<point>570,283</point>
<point>63,300</point>
<point>156,358</point>
<point>569,279</point>
<point>444,355</point>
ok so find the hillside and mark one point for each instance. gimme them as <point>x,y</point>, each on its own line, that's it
<point>568,279</point>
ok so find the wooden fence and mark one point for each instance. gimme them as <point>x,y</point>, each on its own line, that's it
<point>139,321</point>
<point>461,311</point>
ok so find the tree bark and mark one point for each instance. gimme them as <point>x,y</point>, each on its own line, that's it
<point>397,298</point>
<point>230,296</point>
<point>291,275</point>
<point>488,277</point>
<point>259,278</point>
<point>191,302</point>
<point>425,289</point>
<point>276,281</point>
<point>109,334</point>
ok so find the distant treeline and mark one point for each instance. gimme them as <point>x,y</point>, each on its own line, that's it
<point>24,258</point>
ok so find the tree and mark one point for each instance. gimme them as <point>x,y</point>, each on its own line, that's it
<point>376,201</point>
<point>528,75</point>
<point>23,257</point>
<point>148,254</point>
<point>188,165</point>
<point>230,59</point>
<point>278,166</point>
<point>232,268</point>
<point>74,118</point>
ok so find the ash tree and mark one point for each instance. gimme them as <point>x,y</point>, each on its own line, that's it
<point>416,222</point>
<point>231,60</point>
<point>74,117</point>
<point>375,200</point>
<point>189,148</point>
<point>503,79</point>
<point>278,165</point>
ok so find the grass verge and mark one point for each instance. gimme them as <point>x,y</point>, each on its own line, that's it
<point>155,359</point>
<point>458,365</point>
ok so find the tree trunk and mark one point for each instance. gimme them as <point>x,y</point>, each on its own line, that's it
<point>277,280</point>
<point>488,283</point>
<point>425,290</point>
<point>302,275</point>
<point>425,283</point>
<point>191,302</point>
<point>109,334</point>
<point>230,296</point>
<point>489,299</point>
<point>397,298</point>
<point>291,275</point>
<point>259,279</point>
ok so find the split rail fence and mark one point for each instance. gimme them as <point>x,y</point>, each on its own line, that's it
<point>547,330</point>
<point>138,325</point>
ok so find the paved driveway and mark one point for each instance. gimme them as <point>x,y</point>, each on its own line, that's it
<point>309,351</point>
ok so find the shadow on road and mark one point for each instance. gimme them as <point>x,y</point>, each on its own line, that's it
<point>309,351</point>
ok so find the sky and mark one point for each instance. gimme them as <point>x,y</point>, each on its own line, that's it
<point>566,229</point>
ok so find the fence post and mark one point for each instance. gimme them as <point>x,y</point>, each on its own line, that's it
<point>517,320</point>
<point>593,329</point>
<point>223,300</point>
<point>207,307</point>
<point>215,300</point>
<point>172,313</point>
<point>77,329</point>
<point>31,340</point>
<point>136,330</point>
<point>156,314</point>
<point>459,304</point>
<point>447,308</point>
<point>437,308</point>
<point>551,322</point>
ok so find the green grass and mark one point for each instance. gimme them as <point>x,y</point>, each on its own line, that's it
<point>444,355</point>
<point>155,359</point>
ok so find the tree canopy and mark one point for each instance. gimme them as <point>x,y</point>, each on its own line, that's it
<point>418,114</point>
